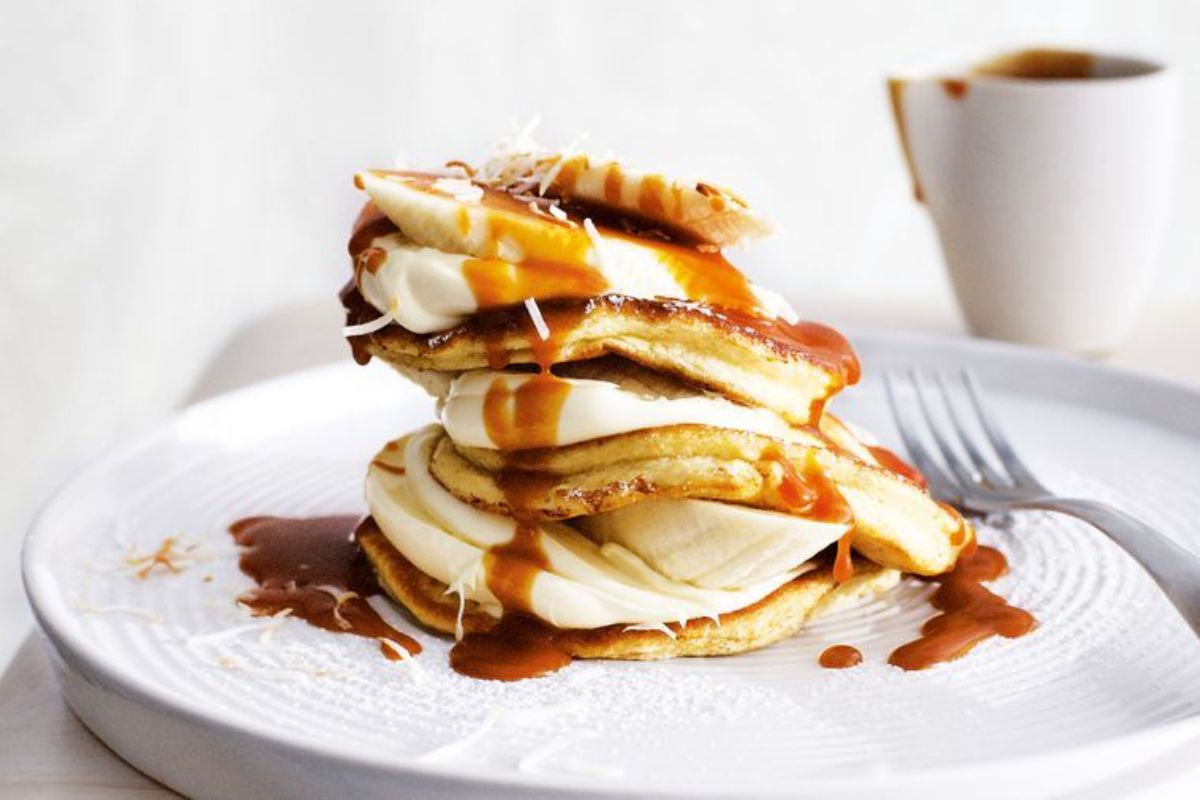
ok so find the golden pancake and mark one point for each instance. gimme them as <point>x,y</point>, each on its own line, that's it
<point>790,369</point>
<point>898,524</point>
<point>777,616</point>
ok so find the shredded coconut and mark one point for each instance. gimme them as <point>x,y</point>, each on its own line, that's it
<point>407,658</point>
<point>597,243</point>
<point>561,215</point>
<point>85,607</point>
<point>364,328</point>
<point>661,627</point>
<point>539,322</point>
<point>461,189</point>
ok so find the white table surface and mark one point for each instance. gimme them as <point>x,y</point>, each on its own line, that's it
<point>45,752</point>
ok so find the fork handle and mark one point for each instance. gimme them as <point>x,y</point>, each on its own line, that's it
<point>1175,568</point>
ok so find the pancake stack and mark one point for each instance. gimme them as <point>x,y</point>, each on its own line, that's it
<point>634,458</point>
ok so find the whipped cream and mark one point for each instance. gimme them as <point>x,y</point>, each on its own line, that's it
<point>625,579</point>
<point>421,277</point>
<point>594,409</point>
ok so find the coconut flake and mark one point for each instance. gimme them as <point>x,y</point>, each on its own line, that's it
<point>539,322</point>
<point>561,215</point>
<point>451,749</point>
<point>418,672</point>
<point>539,758</point>
<point>597,242</point>
<point>84,607</point>
<point>661,627</point>
<point>363,328</point>
<point>461,189</point>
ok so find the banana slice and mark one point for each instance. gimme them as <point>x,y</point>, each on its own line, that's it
<point>458,216</point>
<point>709,544</point>
<point>709,213</point>
<point>579,584</point>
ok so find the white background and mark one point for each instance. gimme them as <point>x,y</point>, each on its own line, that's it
<point>169,173</point>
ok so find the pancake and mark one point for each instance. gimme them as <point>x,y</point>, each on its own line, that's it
<point>791,369</point>
<point>898,524</point>
<point>775,617</point>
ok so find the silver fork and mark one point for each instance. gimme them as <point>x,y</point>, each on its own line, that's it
<point>993,478</point>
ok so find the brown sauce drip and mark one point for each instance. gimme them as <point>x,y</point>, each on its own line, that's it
<point>971,613</point>
<point>843,560</point>
<point>894,463</point>
<point>896,87</point>
<point>496,283</point>
<point>554,245</point>
<point>299,563</point>
<point>526,417</point>
<point>520,646</point>
<point>840,656</point>
<point>807,491</point>
<point>512,568</point>
<point>464,166</point>
<point>612,184</point>
<point>379,463</point>
<point>959,537</point>
<point>819,343</point>
<point>516,649</point>
<point>955,88</point>
<point>810,494</point>
<point>1041,65</point>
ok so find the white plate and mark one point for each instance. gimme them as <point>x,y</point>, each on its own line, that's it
<point>164,672</point>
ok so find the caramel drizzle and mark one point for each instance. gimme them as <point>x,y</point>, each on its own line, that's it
<point>971,613</point>
<point>840,656</point>
<point>809,493</point>
<point>553,244</point>
<point>516,649</point>
<point>896,89</point>
<point>554,264</point>
<point>314,569</point>
<point>894,463</point>
<point>519,647</point>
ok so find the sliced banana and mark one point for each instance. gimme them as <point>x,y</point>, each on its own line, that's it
<point>710,544</point>
<point>491,225</point>
<point>584,584</point>
<point>709,213</point>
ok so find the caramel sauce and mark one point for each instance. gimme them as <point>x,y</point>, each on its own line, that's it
<point>496,283</point>
<point>819,343</point>
<point>516,649</point>
<point>1040,65</point>
<point>843,560</point>
<point>527,417</point>
<point>464,166</point>
<point>971,613</point>
<point>955,88</point>
<point>387,467</point>
<point>562,248</point>
<point>368,226</point>
<point>299,566</point>
<point>716,198</point>
<point>612,184</point>
<point>840,656</point>
<point>651,195</point>
<point>568,175</point>
<point>810,494</point>
<point>807,491</point>
<point>896,87</point>
<point>519,646</point>
<point>959,537</point>
<point>512,568</point>
<point>894,463</point>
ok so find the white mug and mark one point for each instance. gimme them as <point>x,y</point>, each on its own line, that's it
<point>1048,175</point>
